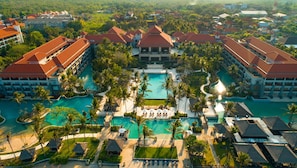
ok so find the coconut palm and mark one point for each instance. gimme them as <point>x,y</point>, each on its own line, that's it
<point>125,95</point>
<point>18,97</point>
<point>175,128</point>
<point>243,159</point>
<point>42,93</point>
<point>139,101</point>
<point>83,120</point>
<point>292,111</point>
<point>168,84</point>
<point>188,94</point>
<point>146,133</point>
<point>230,108</point>
<point>180,93</point>
<point>8,140</point>
<point>139,121</point>
<point>93,115</point>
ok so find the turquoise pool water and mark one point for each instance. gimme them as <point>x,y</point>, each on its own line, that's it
<point>87,77</point>
<point>258,108</point>
<point>226,79</point>
<point>159,126</point>
<point>156,86</point>
<point>80,104</point>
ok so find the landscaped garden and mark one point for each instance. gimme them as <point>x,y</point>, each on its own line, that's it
<point>156,152</point>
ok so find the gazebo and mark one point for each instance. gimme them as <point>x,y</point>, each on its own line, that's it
<point>54,144</point>
<point>114,146</point>
<point>80,148</point>
<point>27,155</point>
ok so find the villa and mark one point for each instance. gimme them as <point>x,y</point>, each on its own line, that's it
<point>51,19</point>
<point>10,33</point>
<point>44,66</point>
<point>269,71</point>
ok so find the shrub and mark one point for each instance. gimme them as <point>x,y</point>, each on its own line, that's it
<point>114,128</point>
<point>197,129</point>
<point>59,159</point>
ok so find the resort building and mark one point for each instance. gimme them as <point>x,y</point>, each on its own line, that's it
<point>51,19</point>
<point>155,45</point>
<point>269,71</point>
<point>44,65</point>
<point>10,33</point>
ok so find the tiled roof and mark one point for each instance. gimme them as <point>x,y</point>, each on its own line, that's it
<point>67,56</point>
<point>281,153</point>
<point>115,145</point>
<point>34,64</point>
<point>252,150</point>
<point>178,34</point>
<point>275,123</point>
<point>291,138</point>
<point>96,39</point>
<point>250,129</point>
<point>155,37</point>
<point>278,64</point>
<point>116,30</point>
<point>7,32</point>
<point>197,38</point>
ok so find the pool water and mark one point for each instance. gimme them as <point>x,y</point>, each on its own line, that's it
<point>87,77</point>
<point>159,126</point>
<point>156,82</point>
<point>258,108</point>
<point>80,104</point>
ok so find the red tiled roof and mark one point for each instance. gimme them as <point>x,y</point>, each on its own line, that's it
<point>197,38</point>
<point>67,56</point>
<point>274,66</point>
<point>155,37</point>
<point>96,39</point>
<point>178,34</point>
<point>269,50</point>
<point>47,48</point>
<point>7,32</point>
<point>34,65</point>
<point>116,30</point>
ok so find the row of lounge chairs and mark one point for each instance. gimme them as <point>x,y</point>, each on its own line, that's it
<point>171,163</point>
<point>152,115</point>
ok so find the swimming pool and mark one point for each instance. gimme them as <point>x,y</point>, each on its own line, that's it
<point>80,104</point>
<point>258,108</point>
<point>87,77</point>
<point>159,126</point>
<point>156,81</point>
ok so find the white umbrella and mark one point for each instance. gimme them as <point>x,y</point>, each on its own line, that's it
<point>122,130</point>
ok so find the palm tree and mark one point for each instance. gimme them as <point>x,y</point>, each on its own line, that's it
<point>40,140</point>
<point>188,94</point>
<point>243,159</point>
<point>168,84</point>
<point>83,120</point>
<point>146,133</point>
<point>175,128</point>
<point>67,130</point>
<point>8,140</point>
<point>18,97</point>
<point>230,108</point>
<point>292,111</point>
<point>139,101</point>
<point>180,93</point>
<point>93,116</point>
<point>42,93</point>
<point>125,95</point>
<point>139,121</point>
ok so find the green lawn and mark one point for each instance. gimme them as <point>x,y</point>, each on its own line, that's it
<point>153,102</point>
<point>105,157</point>
<point>151,152</point>
<point>67,150</point>
<point>222,152</point>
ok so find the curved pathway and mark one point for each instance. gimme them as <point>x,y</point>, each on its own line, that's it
<point>206,84</point>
